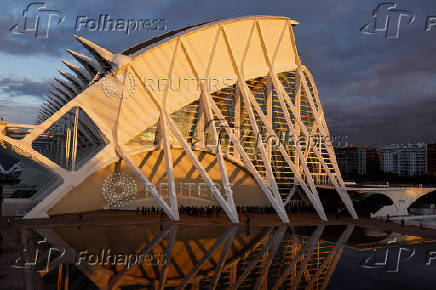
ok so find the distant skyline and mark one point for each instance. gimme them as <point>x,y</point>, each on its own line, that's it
<point>373,89</point>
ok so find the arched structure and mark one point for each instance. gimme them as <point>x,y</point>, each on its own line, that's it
<point>235,89</point>
<point>402,198</point>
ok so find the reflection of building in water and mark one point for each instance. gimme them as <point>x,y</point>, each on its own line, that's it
<point>268,258</point>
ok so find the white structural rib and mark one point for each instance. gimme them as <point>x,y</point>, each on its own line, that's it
<point>104,57</point>
<point>58,97</point>
<point>60,91</point>
<point>78,84</point>
<point>74,153</point>
<point>187,148</point>
<point>249,100</point>
<point>67,85</point>
<point>149,187</point>
<point>342,192</point>
<point>259,143</point>
<point>80,72</point>
<point>273,195</point>
<point>282,94</point>
<point>233,216</point>
<point>275,201</point>
<point>163,136</point>
<point>89,64</point>
<point>163,131</point>
<point>323,129</point>
<point>249,164</point>
<point>205,108</point>
<point>219,154</point>
<point>312,193</point>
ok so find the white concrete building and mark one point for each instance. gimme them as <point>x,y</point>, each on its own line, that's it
<point>204,104</point>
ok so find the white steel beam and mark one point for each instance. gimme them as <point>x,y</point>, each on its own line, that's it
<point>245,91</point>
<point>74,153</point>
<point>206,109</point>
<point>169,164</point>
<point>237,119</point>
<point>215,192</point>
<point>249,164</point>
<point>308,248</point>
<point>219,153</point>
<point>228,207</point>
<point>150,187</point>
<point>342,193</point>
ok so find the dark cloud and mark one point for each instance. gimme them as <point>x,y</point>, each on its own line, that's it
<point>373,89</point>
<point>16,87</point>
<point>399,122</point>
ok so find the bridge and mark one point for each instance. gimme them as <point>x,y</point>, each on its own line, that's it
<point>402,197</point>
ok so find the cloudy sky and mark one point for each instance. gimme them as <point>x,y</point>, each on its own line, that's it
<point>374,89</point>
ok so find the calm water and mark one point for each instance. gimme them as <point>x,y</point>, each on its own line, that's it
<point>198,257</point>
